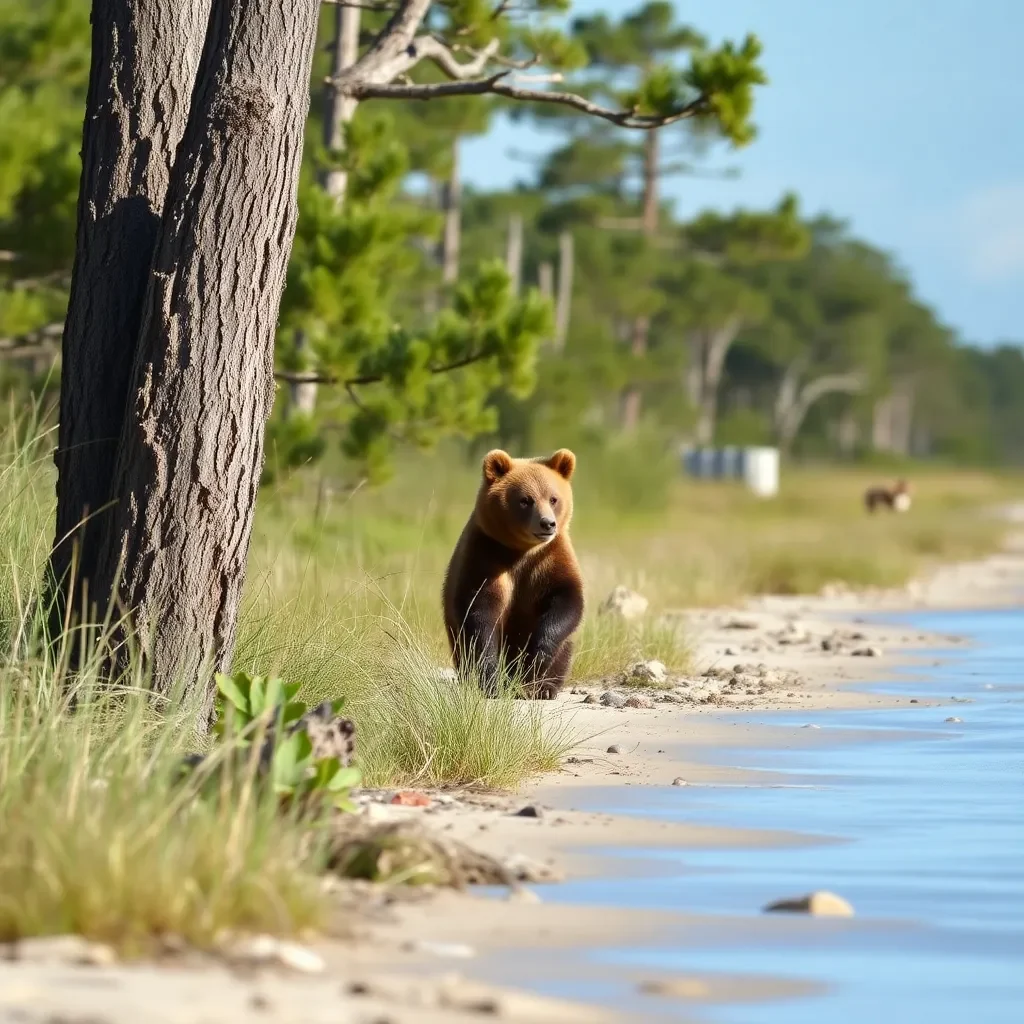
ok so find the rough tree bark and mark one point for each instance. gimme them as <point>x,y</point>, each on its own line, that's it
<point>632,399</point>
<point>144,61</point>
<point>191,449</point>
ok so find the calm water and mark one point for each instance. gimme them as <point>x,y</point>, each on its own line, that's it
<point>933,862</point>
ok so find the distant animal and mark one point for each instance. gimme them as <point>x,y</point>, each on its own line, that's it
<point>895,498</point>
<point>513,592</point>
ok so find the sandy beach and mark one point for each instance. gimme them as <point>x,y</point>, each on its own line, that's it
<point>424,955</point>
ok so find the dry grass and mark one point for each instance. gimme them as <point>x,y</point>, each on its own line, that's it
<point>96,836</point>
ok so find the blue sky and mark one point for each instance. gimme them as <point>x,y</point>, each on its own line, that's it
<point>905,117</point>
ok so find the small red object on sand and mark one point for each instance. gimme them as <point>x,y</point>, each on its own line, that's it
<point>410,798</point>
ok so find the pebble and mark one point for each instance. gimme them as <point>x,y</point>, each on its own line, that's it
<point>637,701</point>
<point>453,950</point>
<point>679,782</point>
<point>729,653</point>
<point>953,718</point>
<point>817,904</point>
<point>678,988</point>
<point>265,949</point>
<point>590,699</point>
<point>625,603</point>
<point>867,652</point>
<point>611,699</point>
<point>615,748</point>
<point>529,811</point>
<point>67,949</point>
<point>810,725</point>
<point>647,672</point>
<point>523,896</point>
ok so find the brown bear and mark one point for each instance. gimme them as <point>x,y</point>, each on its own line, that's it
<point>513,592</point>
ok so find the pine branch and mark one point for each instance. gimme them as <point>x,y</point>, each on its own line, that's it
<point>497,86</point>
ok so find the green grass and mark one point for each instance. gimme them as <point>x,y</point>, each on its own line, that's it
<point>343,596</point>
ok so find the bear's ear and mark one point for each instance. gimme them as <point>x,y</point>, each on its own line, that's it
<point>496,464</point>
<point>562,462</point>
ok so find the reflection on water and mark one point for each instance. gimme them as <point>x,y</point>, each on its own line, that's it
<point>934,863</point>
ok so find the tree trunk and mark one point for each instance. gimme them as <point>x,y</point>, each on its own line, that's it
<point>563,306</point>
<point>451,204</point>
<point>546,279</point>
<point>191,450</point>
<point>714,348</point>
<point>340,107</point>
<point>514,252</point>
<point>632,401</point>
<point>790,416</point>
<point>144,60</point>
<point>301,393</point>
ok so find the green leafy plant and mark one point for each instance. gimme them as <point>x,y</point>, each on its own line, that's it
<point>245,703</point>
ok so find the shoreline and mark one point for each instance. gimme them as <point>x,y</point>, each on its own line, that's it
<point>420,956</point>
<point>663,743</point>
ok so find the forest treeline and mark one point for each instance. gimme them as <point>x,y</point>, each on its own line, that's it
<point>578,304</point>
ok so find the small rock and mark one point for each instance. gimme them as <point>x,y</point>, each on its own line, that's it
<point>612,699</point>
<point>590,699</point>
<point>625,603</point>
<point>454,950</point>
<point>679,782</point>
<point>65,949</point>
<point>676,988</point>
<point>615,748</point>
<point>953,718</point>
<point>529,811</point>
<point>410,798</point>
<point>817,904</point>
<point>260,950</point>
<point>810,725</point>
<point>914,700</point>
<point>647,672</point>
<point>526,869</point>
<point>519,895</point>
<point>638,701</point>
<point>866,652</point>
<point>729,653</point>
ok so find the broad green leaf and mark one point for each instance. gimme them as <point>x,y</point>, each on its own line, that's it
<point>236,689</point>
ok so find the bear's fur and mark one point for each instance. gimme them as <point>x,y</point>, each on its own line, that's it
<point>895,498</point>
<point>513,592</point>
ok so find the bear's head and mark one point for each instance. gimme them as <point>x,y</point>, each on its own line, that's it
<point>524,503</point>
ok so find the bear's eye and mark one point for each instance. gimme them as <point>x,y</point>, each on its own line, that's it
<point>554,501</point>
<point>526,502</point>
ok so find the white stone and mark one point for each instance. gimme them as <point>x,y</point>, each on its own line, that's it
<point>625,603</point>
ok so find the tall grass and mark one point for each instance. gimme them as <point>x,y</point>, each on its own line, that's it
<point>97,833</point>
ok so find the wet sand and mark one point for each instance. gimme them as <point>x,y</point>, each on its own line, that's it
<point>441,956</point>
